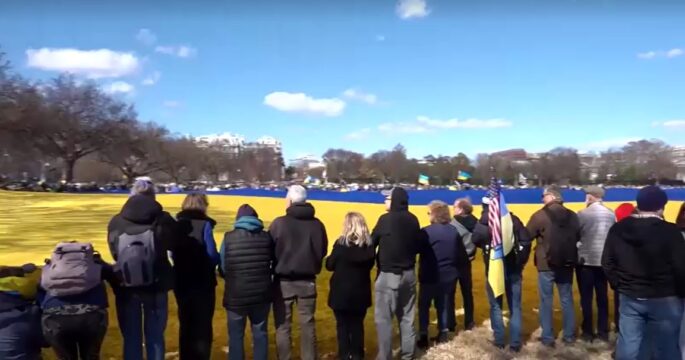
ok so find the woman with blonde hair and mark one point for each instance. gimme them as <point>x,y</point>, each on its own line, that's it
<point>195,264</point>
<point>442,255</point>
<point>350,288</point>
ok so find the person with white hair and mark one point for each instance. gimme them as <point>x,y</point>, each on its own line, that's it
<point>301,245</point>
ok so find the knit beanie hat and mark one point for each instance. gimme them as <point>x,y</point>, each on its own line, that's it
<point>651,198</point>
<point>246,210</point>
<point>624,210</point>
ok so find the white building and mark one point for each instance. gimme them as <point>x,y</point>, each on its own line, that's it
<point>235,144</point>
<point>308,162</point>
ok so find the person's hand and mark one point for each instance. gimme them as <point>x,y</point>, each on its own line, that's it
<point>485,200</point>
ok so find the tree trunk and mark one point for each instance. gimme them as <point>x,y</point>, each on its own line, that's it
<point>69,164</point>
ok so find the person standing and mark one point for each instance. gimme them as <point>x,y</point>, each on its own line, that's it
<point>398,236</point>
<point>195,264</point>
<point>465,223</point>
<point>595,222</point>
<point>247,264</point>
<point>643,260</point>
<point>75,318</point>
<point>139,239</point>
<point>442,254</point>
<point>351,262</point>
<point>300,247</point>
<point>514,263</point>
<point>20,318</point>
<point>680,222</point>
<point>557,231</point>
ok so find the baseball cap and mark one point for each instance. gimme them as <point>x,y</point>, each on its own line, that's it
<point>595,191</point>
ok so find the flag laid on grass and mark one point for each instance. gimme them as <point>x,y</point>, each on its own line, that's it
<point>502,236</point>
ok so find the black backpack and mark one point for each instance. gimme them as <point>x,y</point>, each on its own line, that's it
<point>562,240</point>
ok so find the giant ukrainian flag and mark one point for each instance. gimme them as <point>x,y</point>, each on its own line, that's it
<point>502,236</point>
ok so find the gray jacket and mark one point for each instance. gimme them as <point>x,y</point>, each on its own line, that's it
<point>466,238</point>
<point>595,222</point>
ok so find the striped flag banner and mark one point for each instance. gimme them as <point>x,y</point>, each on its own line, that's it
<point>502,236</point>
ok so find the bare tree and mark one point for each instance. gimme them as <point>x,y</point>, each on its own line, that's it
<point>136,149</point>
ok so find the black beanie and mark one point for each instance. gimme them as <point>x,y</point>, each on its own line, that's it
<point>651,199</point>
<point>245,210</point>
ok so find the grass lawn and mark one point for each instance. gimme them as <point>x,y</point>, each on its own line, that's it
<point>33,223</point>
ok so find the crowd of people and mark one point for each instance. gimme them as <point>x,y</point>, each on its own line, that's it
<point>635,251</point>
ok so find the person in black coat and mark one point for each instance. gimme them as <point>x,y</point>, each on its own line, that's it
<point>195,264</point>
<point>350,289</point>
<point>247,258</point>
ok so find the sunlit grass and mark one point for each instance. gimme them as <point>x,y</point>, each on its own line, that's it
<point>33,223</point>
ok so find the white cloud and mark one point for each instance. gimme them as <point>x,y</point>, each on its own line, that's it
<point>182,51</point>
<point>402,128</point>
<point>146,37</point>
<point>670,124</point>
<point>102,63</point>
<point>172,104</point>
<point>119,87</point>
<point>464,124</point>
<point>354,94</point>
<point>407,9</point>
<point>669,54</point>
<point>380,38</point>
<point>152,78</point>
<point>303,103</point>
<point>358,135</point>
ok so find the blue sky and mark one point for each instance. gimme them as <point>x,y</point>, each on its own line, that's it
<point>438,76</point>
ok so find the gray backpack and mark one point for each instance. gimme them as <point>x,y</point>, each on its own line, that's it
<point>71,270</point>
<point>136,258</point>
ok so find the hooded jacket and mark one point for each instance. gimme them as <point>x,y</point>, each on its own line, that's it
<point>247,255</point>
<point>350,285</point>
<point>138,214</point>
<point>542,228</point>
<point>643,258</point>
<point>466,224</point>
<point>301,243</point>
<point>196,257</point>
<point>397,235</point>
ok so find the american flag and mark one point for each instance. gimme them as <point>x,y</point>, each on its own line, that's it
<point>494,214</point>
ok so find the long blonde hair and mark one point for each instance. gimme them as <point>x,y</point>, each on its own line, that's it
<point>355,231</point>
<point>196,201</point>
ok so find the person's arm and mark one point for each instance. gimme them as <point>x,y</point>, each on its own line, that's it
<point>677,256</point>
<point>112,240</point>
<point>210,243</point>
<point>534,227</point>
<point>222,257</point>
<point>376,233</point>
<point>332,259</point>
<point>524,242</point>
<point>609,258</point>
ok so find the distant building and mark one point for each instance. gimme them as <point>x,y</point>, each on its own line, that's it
<point>235,144</point>
<point>307,162</point>
<point>678,155</point>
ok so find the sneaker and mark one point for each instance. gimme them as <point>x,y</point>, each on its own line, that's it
<point>550,345</point>
<point>569,342</point>
<point>588,338</point>
<point>515,349</point>
<point>443,338</point>
<point>499,346</point>
<point>603,338</point>
<point>469,327</point>
<point>423,342</point>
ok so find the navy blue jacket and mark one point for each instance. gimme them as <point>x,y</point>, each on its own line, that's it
<point>442,254</point>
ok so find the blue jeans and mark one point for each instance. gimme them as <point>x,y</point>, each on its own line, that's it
<point>259,317</point>
<point>142,313</point>
<point>512,289</point>
<point>20,333</point>
<point>563,278</point>
<point>439,296</point>
<point>655,320</point>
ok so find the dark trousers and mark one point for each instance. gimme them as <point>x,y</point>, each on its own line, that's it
<point>466,284</point>
<point>350,325</point>
<point>20,333</point>
<point>195,313</point>
<point>617,315</point>
<point>591,280</point>
<point>237,320</point>
<point>75,337</point>
<point>288,295</point>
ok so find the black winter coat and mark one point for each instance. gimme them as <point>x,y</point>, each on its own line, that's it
<point>194,269</point>
<point>645,258</point>
<point>138,214</point>
<point>517,259</point>
<point>350,285</point>
<point>301,243</point>
<point>248,260</point>
<point>397,235</point>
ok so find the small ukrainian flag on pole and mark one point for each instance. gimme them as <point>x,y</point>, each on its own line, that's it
<point>424,179</point>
